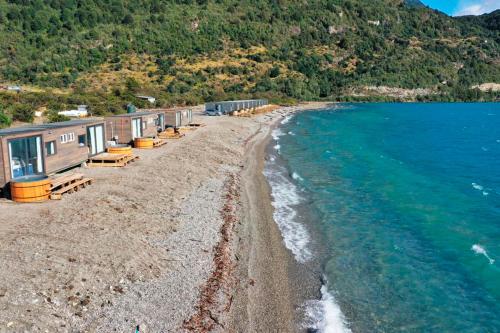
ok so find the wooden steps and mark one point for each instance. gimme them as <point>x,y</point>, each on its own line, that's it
<point>169,135</point>
<point>64,180</point>
<point>68,184</point>
<point>111,160</point>
<point>159,142</point>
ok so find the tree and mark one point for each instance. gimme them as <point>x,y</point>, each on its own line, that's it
<point>128,19</point>
<point>274,72</point>
<point>132,85</point>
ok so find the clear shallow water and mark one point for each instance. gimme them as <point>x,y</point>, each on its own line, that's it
<point>407,199</point>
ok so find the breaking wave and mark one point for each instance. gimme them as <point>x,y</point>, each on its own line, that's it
<point>286,197</point>
<point>324,315</point>
<point>296,176</point>
<point>286,120</point>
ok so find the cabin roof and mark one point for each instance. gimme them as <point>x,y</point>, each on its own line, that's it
<point>237,101</point>
<point>134,114</point>
<point>43,127</point>
<point>166,109</point>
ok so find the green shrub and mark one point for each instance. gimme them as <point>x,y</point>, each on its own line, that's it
<point>23,112</point>
<point>132,85</point>
<point>5,121</point>
<point>54,117</point>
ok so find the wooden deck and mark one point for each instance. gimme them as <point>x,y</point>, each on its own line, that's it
<point>186,129</point>
<point>159,142</point>
<point>68,184</point>
<point>111,160</point>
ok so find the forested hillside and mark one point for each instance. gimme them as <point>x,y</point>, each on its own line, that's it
<point>103,52</point>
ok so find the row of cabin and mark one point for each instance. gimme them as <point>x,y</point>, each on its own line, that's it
<point>226,107</point>
<point>49,148</point>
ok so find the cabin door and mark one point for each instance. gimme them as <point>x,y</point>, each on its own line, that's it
<point>136,128</point>
<point>95,141</point>
<point>26,157</point>
<point>177,119</point>
<point>161,121</point>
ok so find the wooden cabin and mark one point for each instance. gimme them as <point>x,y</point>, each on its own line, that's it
<point>186,117</point>
<point>228,107</point>
<point>124,128</point>
<point>174,117</point>
<point>48,148</point>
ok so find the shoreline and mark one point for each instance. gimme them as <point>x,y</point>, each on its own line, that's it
<point>279,285</point>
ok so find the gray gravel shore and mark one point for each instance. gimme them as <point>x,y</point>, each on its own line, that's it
<point>152,243</point>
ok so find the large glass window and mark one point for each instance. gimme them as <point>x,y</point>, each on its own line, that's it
<point>25,156</point>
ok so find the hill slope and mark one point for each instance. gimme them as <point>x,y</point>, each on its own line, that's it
<point>191,51</point>
<point>489,21</point>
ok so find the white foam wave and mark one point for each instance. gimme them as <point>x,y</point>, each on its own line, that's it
<point>324,315</point>
<point>478,249</point>
<point>296,176</point>
<point>486,193</point>
<point>286,120</point>
<point>277,147</point>
<point>285,196</point>
<point>291,133</point>
<point>477,187</point>
<point>277,133</point>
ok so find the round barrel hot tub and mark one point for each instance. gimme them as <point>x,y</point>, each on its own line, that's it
<point>120,149</point>
<point>143,143</point>
<point>30,189</point>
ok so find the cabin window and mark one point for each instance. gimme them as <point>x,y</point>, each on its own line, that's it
<point>82,140</point>
<point>68,137</point>
<point>50,148</point>
<point>144,125</point>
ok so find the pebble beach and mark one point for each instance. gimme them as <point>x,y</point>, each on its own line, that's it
<point>181,240</point>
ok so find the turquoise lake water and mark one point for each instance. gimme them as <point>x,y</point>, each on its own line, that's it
<point>406,198</point>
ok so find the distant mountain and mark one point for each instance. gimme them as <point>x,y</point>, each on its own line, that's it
<point>489,21</point>
<point>103,53</point>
